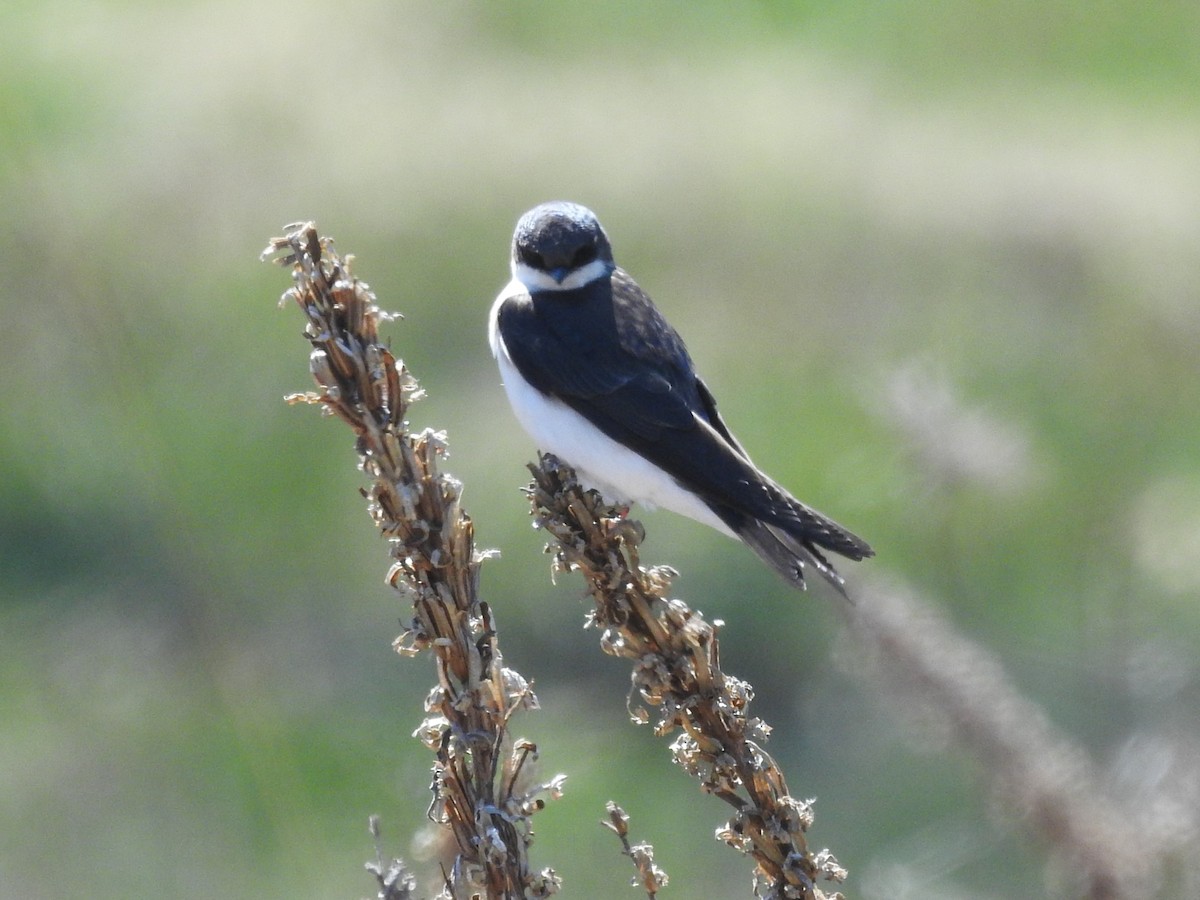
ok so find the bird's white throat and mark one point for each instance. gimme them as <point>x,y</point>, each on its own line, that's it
<point>537,280</point>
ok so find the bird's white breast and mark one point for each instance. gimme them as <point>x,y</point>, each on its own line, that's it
<point>619,473</point>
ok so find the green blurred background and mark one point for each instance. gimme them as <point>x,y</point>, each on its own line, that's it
<point>939,261</point>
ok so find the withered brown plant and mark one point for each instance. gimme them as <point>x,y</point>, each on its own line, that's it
<point>482,793</point>
<point>481,783</point>
<point>650,877</point>
<point>677,673</point>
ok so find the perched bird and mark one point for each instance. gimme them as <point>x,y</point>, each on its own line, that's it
<point>598,378</point>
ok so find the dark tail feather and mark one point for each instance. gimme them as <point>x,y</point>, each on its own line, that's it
<point>788,555</point>
<point>794,540</point>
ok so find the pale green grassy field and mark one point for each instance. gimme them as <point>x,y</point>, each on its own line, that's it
<point>938,261</point>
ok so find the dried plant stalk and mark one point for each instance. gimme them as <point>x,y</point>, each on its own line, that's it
<point>677,671</point>
<point>650,877</point>
<point>481,785</point>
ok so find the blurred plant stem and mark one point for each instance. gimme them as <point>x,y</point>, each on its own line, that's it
<point>948,683</point>
<point>482,785</point>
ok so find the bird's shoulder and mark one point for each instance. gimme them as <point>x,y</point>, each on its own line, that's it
<point>643,331</point>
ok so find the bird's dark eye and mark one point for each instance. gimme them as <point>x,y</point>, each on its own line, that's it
<point>531,258</point>
<point>583,255</point>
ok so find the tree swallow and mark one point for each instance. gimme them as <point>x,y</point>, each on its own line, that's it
<point>597,377</point>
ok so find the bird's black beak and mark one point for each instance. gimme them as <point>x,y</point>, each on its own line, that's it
<point>558,273</point>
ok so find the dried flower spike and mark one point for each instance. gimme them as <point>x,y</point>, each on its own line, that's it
<point>677,672</point>
<point>483,793</point>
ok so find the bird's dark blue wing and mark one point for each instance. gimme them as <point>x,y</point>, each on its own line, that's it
<point>606,351</point>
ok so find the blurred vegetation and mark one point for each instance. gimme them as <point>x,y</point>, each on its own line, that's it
<point>939,262</point>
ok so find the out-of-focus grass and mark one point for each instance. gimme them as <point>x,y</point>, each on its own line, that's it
<point>877,225</point>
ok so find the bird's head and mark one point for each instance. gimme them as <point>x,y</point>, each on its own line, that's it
<point>560,246</point>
